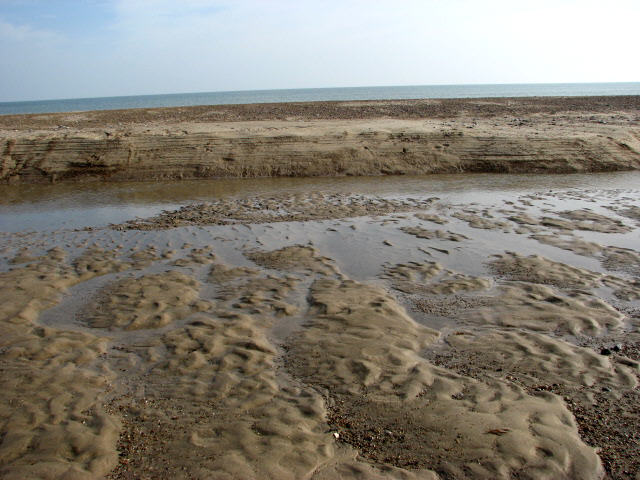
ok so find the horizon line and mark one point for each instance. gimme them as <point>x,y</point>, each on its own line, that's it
<point>310,88</point>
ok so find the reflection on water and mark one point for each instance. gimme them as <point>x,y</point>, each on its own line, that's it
<point>45,207</point>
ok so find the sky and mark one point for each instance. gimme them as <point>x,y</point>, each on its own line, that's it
<point>92,48</point>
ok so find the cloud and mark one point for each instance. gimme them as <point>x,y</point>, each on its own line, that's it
<point>28,57</point>
<point>279,44</point>
<point>164,46</point>
<point>26,34</point>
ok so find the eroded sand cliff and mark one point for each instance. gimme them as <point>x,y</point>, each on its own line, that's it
<point>554,135</point>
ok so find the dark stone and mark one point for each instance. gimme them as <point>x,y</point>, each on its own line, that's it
<point>605,351</point>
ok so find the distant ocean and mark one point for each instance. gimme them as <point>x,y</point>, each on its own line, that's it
<point>320,94</point>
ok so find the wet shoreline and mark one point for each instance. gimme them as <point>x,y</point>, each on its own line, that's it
<point>432,328</point>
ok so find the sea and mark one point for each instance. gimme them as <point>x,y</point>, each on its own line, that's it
<point>321,94</point>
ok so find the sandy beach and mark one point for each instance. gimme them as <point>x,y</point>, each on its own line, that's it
<point>420,331</point>
<point>517,135</point>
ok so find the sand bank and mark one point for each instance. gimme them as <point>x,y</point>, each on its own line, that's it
<point>552,135</point>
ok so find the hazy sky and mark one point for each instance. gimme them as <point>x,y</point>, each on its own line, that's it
<point>89,48</point>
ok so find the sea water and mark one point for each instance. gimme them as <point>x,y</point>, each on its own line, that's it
<point>321,94</point>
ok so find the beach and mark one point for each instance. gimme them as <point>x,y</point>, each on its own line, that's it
<point>518,135</point>
<point>461,324</point>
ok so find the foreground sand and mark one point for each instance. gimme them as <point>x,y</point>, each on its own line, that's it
<point>552,135</point>
<point>327,336</point>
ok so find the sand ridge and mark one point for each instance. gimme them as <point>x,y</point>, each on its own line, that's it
<point>277,208</point>
<point>553,135</point>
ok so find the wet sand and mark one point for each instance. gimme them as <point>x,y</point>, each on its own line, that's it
<point>327,335</point>
<point>408,137</point>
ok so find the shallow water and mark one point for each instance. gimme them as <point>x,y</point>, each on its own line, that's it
<point>69,206</point>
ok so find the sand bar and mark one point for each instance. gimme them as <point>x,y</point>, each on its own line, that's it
<point>518,135</point>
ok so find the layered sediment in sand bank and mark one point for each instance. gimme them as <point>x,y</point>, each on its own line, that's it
<point>553,135</point>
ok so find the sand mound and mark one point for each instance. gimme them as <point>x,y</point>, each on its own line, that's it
<point>621,260</point>
<point>196,257</point>
<point>296,258</point>
<point>398,409</point>
<point>210,392</point>
<point>523,219</point>
<point>601,391</point>
<point>61,429</point>
<point>429,217</point>
<point>632,212</point>
<point>221,273</point>
<point>214,400</point>
<point>413,272</point>
<point>483,221</point>
<point>278,208</point>
<point>262,295</point>
<point>571,243</point>
<point>150,301</point>
<point>434,234</point>
<point>24,255</point>
<point>540,358</point>
<point>542,309</point>
<point>612,258</point>
<point>143,258</point>
<point>97,261</point>
<point>537,269</point>
<point>585,220</point>
<point>430,279</point>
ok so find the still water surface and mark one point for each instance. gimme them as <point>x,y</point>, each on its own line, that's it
<point>68,206</point>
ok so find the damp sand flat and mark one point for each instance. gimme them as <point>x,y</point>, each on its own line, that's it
<point>422,328</point>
